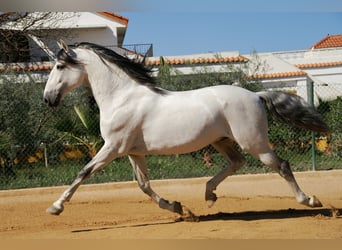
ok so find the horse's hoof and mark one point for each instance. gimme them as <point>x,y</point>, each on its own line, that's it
<point>55,209</point>
<point>210,198</point>
<point>314,202</point>
<point>210,203</point>
<point>177,207</point>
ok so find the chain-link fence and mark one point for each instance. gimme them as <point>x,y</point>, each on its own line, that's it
<point>40,146</point>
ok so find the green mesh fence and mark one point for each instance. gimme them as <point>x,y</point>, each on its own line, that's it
<point>40,146</point>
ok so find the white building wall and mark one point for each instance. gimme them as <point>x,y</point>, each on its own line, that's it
<point>103,36</point>
<point>77,27</point>
<point>331,74</point>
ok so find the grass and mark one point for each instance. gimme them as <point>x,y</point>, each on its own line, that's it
<point>160,167</point>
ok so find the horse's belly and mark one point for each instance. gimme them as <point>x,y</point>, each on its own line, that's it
<point>168,149</point>
<point>180,142</point>
<point>180,148</point>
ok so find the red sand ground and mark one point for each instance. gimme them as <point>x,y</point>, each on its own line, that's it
<point>249,206</point>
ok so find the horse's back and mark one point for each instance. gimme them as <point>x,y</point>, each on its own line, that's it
<point>236,101</point>
<point>233,93</point>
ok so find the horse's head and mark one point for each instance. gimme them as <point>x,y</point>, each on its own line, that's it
<point>67,74</point>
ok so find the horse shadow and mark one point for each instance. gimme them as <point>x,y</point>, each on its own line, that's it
<point>272,214</point>
<point>243,216</point>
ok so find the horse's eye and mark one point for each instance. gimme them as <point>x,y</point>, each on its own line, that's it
<point>60,66</point>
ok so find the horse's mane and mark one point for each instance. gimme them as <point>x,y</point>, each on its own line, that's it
<point>134,68</point>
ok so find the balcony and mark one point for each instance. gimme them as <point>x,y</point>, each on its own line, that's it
<point>145,49</point>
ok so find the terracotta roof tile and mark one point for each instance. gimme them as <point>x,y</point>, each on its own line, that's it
<point>278,75</point>
<point>330,41</point>
<point>318,65</point>
<point>198,60</point>
<point>174,61</point>
<point>45,66</point>
<point>26,66</point>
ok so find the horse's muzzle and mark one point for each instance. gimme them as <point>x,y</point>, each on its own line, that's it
<point>52,100</point>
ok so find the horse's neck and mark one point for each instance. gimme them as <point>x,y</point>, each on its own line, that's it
<point>110,86</point>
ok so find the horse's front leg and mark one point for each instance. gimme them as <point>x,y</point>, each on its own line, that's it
<point>101,159</point>
<point>140,168</point>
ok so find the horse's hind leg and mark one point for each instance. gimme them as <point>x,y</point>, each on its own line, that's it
<point>235,160</point>
<point>282,167</point>
<point>140,168</point>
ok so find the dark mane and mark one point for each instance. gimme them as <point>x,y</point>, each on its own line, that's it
<point>133,68</point>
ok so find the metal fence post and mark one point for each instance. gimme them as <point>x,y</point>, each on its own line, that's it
<point>45,155</point>
<point>313,145</point>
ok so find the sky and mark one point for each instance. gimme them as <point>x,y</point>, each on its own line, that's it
<point>192,32</point>
<point>181,27</point>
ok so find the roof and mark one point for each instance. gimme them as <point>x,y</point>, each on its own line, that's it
<point>115,17</point>
<point>273,67</point>
<point>279,75</point>
<point>36,66</point>
<point>280,68</point>
<point>330,41</point>
<point>314,58</point>
<point>121,31</point>
<point>47,66</point>
<point>318,65</point>
<point>278,65</point>
<point>209,58</point>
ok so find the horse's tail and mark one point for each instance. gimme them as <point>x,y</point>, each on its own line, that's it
<point>293,110</point>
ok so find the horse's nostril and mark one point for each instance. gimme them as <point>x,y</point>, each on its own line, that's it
<point>46,100</point>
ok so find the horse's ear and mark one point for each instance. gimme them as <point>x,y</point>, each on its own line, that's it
<point>62,45</point>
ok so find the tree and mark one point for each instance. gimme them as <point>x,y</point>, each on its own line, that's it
<point>23,32</point>
<point>25,121</point>
<point>22,118</point>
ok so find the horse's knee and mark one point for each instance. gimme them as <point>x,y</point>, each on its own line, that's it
<point>285,170</point>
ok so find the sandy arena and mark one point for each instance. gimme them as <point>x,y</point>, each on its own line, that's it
<point>248,207</point>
